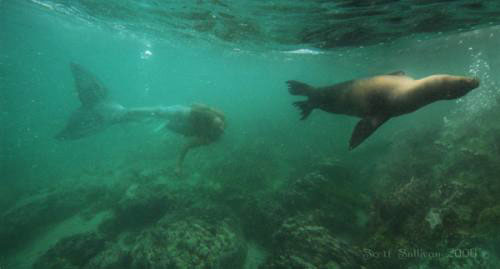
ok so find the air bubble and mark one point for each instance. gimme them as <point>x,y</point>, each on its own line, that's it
<point>486,97</point>
<point>146,54</point>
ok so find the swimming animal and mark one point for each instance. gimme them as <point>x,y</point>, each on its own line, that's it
<point>96,112</point>
<point>377,99</point>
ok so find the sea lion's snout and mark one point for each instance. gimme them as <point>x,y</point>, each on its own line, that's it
<point>456,87</point>
<point>474,82</point>
<point>470,84</point>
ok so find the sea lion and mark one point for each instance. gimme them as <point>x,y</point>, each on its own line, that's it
<point>377,99</point>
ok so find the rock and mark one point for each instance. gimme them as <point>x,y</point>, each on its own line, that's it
<point>189,243</point>
<point>442,217</point>
<point>71,252</point>
<point>332,167</point>
<point>301,243</point>
<point>316,191</point>
<point>261,216</point>
<point>460,258</point>
<point>488,226</point>
<point>30,217</point>
<point>114,257</point>
<point>140,205</point>
<point>306,192</point>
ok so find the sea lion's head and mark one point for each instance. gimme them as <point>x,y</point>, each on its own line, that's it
<point>456,87</point>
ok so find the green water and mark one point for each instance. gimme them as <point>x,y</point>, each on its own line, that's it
<point>424,185</point>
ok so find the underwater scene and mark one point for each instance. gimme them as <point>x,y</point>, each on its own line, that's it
<point>252,134</point>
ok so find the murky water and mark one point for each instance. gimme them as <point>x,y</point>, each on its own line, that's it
<point>260,188</point>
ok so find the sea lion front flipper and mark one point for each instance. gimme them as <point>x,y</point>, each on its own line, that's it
<point>364,129</point>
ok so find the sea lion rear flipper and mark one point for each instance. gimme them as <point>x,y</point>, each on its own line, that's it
<point>364,129</point>
<point>299,88</point>
<point>305,108</point>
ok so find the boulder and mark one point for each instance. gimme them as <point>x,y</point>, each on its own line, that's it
<point>302,243</point>
<point>71,252</point>
<point>189,243</point>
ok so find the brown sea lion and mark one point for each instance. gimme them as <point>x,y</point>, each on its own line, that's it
<point>377,99</point>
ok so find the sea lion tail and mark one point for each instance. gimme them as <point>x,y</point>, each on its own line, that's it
<point>305,108</point>
<point>299,88</point>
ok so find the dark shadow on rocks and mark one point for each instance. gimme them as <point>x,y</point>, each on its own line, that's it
<point>141,205</point>
<point>338,208</point>
<point>71,252</point>
<point>28,219</point>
